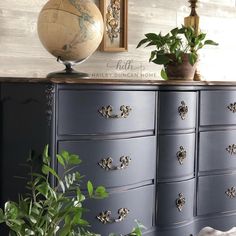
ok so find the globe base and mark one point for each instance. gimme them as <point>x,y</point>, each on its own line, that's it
<point>69,72</point>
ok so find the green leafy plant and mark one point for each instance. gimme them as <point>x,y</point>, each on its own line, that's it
<point>49,210</point>
<point>172,46</point>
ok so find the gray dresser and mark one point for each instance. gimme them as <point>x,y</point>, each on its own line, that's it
<point>166,151</point>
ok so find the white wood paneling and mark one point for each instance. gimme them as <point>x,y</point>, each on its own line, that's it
<point>21,53</point>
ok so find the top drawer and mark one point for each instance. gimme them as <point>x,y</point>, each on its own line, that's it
<point>218,108</point>
<point>178,110</point>
<point>103,112</point>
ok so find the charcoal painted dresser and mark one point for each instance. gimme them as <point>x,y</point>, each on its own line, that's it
<point>166,151</point>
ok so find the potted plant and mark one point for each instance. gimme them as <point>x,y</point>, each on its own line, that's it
<point>176,51</point>
<point>49,210</point>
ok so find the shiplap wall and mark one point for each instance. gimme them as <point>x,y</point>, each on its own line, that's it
<point>21,53</point>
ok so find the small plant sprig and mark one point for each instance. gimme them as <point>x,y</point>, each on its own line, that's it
<point>49,210</point>
<point>178,41</point>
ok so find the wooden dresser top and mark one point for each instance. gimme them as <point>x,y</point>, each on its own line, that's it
<point>115,81</point>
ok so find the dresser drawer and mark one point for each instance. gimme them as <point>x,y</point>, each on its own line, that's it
<point>216,194</point>
<point>139,203</point>
<point>218,108</point>
<point>217,150</point>
<point>176,156</point>
<point>177,110</point>
<point>103,112</point>
<point>175,202</point>
<point>131,160</point>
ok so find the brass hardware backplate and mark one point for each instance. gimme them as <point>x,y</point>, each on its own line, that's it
<point>107,111</point>
<point>231,149</point>
<point>107,164</point>
<point>183,110</point>
<point>181,155</point>
<point>232,107</point>
<point>231,192</point>
<point>180,202</point>
<point>105,216</point>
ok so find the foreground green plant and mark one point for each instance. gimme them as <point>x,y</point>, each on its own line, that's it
<point>49,210</point>
<point>172,46</point>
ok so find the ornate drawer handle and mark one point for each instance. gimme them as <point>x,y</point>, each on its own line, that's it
<point>107,112</point>
<point>231,192</point>
<point>106,164</point>
<point>180,202</point>
<point>105,216</point>
<point>181,155</point>
<point>231,149</point>
<point>232,107</point>
<point>183,110</point>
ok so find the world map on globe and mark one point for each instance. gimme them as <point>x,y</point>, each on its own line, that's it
<point>70,30</point>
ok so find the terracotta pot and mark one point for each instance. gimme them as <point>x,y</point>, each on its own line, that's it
<point>183,71</point>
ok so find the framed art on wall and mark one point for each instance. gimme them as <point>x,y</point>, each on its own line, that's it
<point>115,16</point>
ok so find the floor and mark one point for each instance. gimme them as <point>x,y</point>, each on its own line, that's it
<point>211,232</point>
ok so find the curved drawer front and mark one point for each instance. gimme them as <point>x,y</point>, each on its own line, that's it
<point>218,108</point>
<point>136,204</point>
<point>217,150</point>
<point>175,202</point>
<point>176,156</point>
<point>216,194</point>
<point>114,162</point>
<point>101,112</point>
<point>177,110</point>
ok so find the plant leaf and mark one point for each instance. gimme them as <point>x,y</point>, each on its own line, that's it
<point>161,60</point>
<point>101,192</point>
<point>74,159</point>
<point>60,160</point>
<point>174,31</point>
<point>153,54</point>
<point>11,210</point>
<point>90,188</point>
<point>46,158</point>
<point>164,75</point>
<point>152,36</point>
<point>143,41</point>
<point>210,42</point>
<point>192,57</point>
<point>1,216</point>
<point>46,170</point>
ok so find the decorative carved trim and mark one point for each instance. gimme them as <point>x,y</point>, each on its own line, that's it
<point>231,192</point>
<point>231,149</point>
<point>115,17</point>
<point>107,164</point>
<point>107,112</point>
<point>105,216</point>
<point>183,110</point>
<point>49,93</point>
<point>232,107</point>
<point>181,155</point>
<point>113,20</point>
<point>180,202</point>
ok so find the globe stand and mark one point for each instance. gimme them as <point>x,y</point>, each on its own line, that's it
<point>68,72</point>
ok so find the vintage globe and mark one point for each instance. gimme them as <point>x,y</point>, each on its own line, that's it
<point>71,30</point>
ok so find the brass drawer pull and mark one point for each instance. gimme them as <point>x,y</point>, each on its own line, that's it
<point>107,164</point>
<point>105,216</point>
<point>183,110</point>
<point>231,149</point>
<point>107,112</point>
<point>232,107</point>
<point>181,155</point>
<point>180,202</point>
<point>231,192</point>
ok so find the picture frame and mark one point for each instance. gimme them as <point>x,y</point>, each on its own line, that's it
<point>115,16</point>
